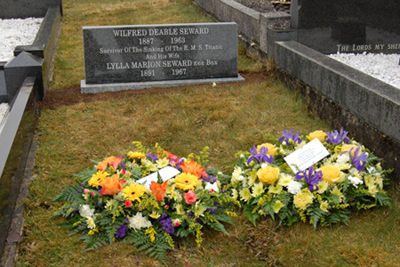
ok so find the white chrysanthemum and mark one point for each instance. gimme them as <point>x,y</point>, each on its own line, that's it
<point>294,187</point>
<point>86,211</point>
<point>234,194</point>
<point>264,164</point>
<point>344,158</point>
<point>355,181</point>
<point>237,174</point>
<point>138,221</point>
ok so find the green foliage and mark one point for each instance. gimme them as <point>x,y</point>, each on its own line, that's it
<point>157,249</point>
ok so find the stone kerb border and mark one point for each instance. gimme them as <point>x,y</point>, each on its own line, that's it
<point>252,25</point>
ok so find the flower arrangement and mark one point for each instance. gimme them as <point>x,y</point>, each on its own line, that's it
<point>324,193</point>
<point>146,200</point>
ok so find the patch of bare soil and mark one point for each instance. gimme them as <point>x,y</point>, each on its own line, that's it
<point>72,96</point>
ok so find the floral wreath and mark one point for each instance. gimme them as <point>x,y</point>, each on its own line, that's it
<point>349,177</point>
<point>128,198</point>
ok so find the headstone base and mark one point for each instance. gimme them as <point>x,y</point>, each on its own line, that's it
<point>115,87</point>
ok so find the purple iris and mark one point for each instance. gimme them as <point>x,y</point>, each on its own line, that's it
<point>209,179</point>
<point>260,156</point>
<point>312,178</point>
<point>179,162</point>
<point>359,159</point>
<point>288,137</point>
<point>122,165</point>
<point>336,138</point>
<point>153,158</point>
<point>121,231</point>
<point>166,224</point>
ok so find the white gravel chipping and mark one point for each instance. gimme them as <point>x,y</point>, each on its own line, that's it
<point>4,108</point>
<point>380,66</point>
<point>14,32</point>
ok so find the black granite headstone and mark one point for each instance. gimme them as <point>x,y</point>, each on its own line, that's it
<point>348,26</point>
<point>168,52</point>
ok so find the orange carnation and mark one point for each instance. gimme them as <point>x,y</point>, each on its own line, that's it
<point>158,190</point>
<point>112,161</point>
<point>111,185</point>
<point>192,167</point>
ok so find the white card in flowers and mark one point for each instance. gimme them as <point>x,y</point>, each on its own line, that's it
<point>306,156</point>
<point>165,174</point>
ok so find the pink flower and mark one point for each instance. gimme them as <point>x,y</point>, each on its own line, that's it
<point>166,206</point>
<point>128,203</point>
<point>176,223</point>
<point>204,174</point>
<point>190,197</point>
<point>92,193</point>
<point>86,191</point>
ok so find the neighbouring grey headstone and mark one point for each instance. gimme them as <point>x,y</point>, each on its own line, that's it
<point>26,8</point>
<point>348,26</point>
<point>142,56</point>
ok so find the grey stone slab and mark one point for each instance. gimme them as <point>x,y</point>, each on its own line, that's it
<point>373,101</point>
<point>139,53</point>
<point>101,88</point>
<point>45,45</point>
<point>17,69</point>
<point>348,26</point>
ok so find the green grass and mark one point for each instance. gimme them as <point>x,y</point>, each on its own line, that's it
<point>227,118</point>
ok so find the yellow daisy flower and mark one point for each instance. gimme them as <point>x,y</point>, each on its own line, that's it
<point>186,181</point>
<point>133,192</point>
<point>97,178</point>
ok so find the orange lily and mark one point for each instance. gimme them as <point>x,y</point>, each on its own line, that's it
<point>158,190</point>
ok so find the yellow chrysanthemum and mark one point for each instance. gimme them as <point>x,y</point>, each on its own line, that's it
<point>303,198</point>
<point>136,155</point>
<point>285,179</point>
<point>322,185</point>
<point>275,189</point>
<point>324,206</point>
<point>245,194</point>
<point>277,206</point>
<point>336,191</point>
<point>186,181</point>
<point>133,192</point>
<point>258,189</point>
<point>97,178</point>
<point>272,150</point>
